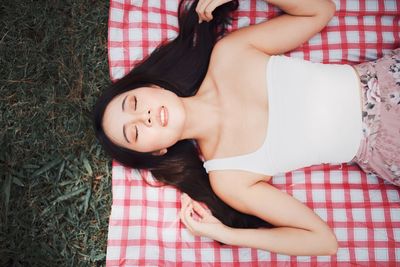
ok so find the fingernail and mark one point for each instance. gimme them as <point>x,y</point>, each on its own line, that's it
<point>200,21</point>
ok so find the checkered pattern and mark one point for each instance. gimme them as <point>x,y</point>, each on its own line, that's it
<point>363,210</point>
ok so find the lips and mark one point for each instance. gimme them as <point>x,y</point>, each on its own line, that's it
<point>163,116</point>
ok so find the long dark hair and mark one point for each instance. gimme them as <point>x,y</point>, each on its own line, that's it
<point>179,66</point>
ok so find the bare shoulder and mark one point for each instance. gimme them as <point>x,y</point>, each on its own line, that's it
<point>230,54</point>
<point>224,54</point>
<point>233,46</point>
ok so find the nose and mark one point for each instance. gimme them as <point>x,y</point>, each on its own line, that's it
<point>145,117</point>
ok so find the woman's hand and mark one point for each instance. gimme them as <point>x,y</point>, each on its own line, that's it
<point>205,8</point>
<point>199,220</point>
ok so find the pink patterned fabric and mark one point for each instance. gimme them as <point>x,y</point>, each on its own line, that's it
<point>379,152</point>
<point>364,211</point>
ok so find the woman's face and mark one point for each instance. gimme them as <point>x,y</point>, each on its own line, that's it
<point>146,119</point>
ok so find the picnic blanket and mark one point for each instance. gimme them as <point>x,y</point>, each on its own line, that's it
<point>363,210</point>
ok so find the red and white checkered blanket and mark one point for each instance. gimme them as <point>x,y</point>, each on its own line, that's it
<point>363,211</point>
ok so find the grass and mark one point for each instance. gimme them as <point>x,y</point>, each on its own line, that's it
<point>55,181</point>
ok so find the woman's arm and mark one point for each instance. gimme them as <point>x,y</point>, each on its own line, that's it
<point>299,231</point>
<point>303,19</point>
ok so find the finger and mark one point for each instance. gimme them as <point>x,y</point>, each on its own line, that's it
<point>186,196</point>
<point>184,205</point>
<point>207,13</point>
<point>206,8</point>
<point>201,4</point>
<point>211,6</point>
<point>183,216</point>
<point>185,200</point>
<point>188,220</point>
<point>200,9</point>
<point>199,209</point>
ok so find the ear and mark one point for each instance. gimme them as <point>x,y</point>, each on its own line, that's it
<point>159,152</point>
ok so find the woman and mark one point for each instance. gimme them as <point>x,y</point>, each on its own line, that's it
<point>190,89</point>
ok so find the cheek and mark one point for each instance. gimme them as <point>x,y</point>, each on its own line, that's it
<point>164,138</point>
<point>153,139</point>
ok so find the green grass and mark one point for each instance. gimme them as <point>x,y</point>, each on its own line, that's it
<point>55,181</point>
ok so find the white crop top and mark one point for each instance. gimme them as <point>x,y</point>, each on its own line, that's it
<point>314,118</point>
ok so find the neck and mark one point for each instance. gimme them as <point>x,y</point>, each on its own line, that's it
<point>202,116</point>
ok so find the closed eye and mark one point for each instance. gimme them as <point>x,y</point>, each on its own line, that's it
<point>136,134</point>
<point>130,103</point>
<point>135,102</point>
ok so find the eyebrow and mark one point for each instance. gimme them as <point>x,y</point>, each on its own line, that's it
<point>123,128</point>
<point>123,103</point>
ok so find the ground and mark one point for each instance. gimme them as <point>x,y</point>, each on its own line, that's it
<point>55,180</point>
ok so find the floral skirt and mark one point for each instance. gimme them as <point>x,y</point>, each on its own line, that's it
<point>379,152</point>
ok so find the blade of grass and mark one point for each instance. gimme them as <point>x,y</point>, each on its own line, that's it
<point>87,198</point>
<point>30,166</point>
<point>70,195</point>
<point>60,171</point>
<point>47,167</point>
<point>18,181</point>
<point>87,166</point>
<point>99,257</point>
<point>6,192</point>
